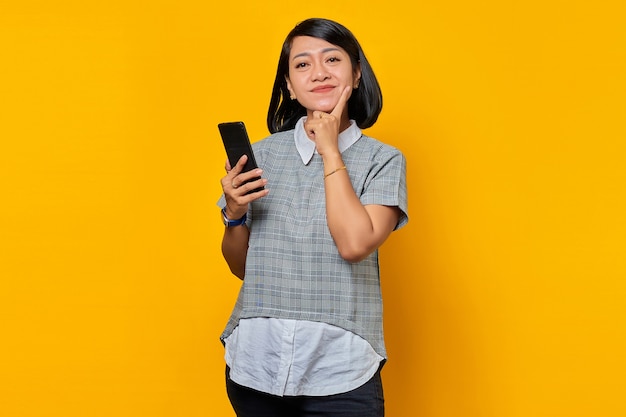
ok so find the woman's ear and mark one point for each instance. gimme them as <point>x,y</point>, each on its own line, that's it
<point>357,76</point>
<point>292,95</point>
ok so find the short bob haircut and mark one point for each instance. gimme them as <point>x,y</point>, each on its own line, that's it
<point>364,105</point>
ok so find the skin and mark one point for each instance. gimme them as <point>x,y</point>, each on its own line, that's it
<point>321,78</point>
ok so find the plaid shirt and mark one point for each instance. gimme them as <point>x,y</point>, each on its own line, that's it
<point>293,268</point>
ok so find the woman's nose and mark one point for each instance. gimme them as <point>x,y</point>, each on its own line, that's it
<point>320,73</point>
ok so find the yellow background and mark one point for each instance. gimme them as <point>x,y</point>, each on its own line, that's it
<point>505,295</point>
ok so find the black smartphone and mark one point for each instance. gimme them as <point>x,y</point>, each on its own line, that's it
<point>237,144</point>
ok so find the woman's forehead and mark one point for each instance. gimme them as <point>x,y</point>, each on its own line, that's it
<point>307,45</point>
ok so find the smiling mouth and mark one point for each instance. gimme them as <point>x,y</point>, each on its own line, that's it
<point>323,89</point>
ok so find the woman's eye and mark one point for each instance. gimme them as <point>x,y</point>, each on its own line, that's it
<point>333,59</point>
<point>301,65</point>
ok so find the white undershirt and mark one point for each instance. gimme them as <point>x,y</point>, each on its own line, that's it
<point>291,357</point>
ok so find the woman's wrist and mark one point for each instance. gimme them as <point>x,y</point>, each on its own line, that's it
<point>332,162</point>
<point>228,222</point>
<point>327,174</point>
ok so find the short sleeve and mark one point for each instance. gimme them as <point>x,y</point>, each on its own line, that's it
<point>386,184</point>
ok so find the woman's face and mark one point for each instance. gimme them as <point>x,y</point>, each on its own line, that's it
<point>318,72</point>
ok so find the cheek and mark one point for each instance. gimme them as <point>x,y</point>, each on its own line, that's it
<point>296,84</point>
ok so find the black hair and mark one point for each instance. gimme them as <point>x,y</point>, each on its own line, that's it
<point>366,102</point>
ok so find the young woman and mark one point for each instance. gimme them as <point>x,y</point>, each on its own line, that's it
<point>305,336</point>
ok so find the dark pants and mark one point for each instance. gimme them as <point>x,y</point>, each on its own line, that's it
<point>365,401</point>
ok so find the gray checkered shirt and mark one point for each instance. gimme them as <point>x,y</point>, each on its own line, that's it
<point>293,268</point>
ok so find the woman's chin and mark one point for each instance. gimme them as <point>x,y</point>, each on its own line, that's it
<point>324,106</point>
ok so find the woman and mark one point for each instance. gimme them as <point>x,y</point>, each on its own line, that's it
<point>305,336</point>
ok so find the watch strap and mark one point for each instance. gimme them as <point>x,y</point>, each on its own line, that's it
<point>230,223</point>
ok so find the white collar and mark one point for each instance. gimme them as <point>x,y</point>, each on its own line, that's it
<point>306,147</point>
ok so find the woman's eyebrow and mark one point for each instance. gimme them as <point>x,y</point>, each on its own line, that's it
<point>301,54</point>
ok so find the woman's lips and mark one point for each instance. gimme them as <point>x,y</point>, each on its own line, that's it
<point>323,89</point>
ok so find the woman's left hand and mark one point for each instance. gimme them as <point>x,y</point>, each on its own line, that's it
<point>324,128</point>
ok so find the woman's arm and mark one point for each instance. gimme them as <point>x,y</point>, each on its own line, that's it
<point>235,249</point>
<point>357,230</point>
<point>235,238</point>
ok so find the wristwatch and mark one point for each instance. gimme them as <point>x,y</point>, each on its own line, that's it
<point>229,223</point>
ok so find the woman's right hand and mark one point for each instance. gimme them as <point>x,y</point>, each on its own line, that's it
<point>235,188</point>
